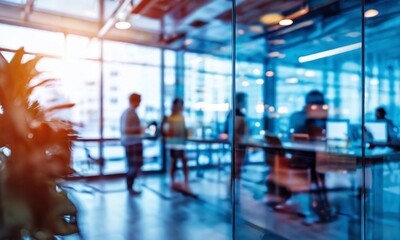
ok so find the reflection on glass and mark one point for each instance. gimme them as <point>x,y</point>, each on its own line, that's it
<point>302,176</point>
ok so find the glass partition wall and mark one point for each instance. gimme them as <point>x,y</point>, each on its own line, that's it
<point>381,115</point>
<point>327,142</point>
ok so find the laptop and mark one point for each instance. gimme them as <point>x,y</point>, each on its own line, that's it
<point>337,130</point>
<point>378,131</point>
<point>337,133</point>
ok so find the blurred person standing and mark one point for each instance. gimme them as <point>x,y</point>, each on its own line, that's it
<point>174,128</point>
<point>240,132</point>
<point>131,131</point>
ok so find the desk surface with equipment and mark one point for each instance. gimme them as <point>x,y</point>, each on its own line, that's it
<point>357,157</point>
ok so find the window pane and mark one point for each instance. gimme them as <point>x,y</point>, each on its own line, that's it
<point>36,41</point>
<point>122,52</point>
<point>82,47</point>
<point>78,83</point>
<point>88,9</point>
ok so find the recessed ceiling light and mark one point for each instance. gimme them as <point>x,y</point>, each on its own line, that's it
<point>292,80</point>
<point>256,29</point>
<point>123,25</point>
<point>274,54</point>
<point>260,81</point>
<point>245,83</point>
<point>269,74</point>
<point>353,34</point>
<point>285,22</point>
<point>188,41</point>
<point>371,13</point>
<point>277,41</point>
<point>271,18</point>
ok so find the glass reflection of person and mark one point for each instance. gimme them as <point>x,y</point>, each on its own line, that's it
<point>174,128</point>
<point>311,120</point>
<point>393,130</point>
<point>240,132</point>
<point>131,131</point>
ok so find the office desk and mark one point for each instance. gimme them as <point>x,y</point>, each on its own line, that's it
<point>356,157</point>
<point>371,156</point>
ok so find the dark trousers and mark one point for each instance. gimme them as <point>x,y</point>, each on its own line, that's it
<point>134,156</point>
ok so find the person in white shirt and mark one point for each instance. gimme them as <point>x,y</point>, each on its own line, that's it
<point>131,131</point>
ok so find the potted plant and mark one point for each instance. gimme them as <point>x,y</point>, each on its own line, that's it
<point>35,153</point>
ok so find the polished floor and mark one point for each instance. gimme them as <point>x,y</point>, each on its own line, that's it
<point>108,211</point>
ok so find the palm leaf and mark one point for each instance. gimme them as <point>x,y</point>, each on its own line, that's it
<point>16,60</point>
<point>30,89</point>
<point>59,107</point>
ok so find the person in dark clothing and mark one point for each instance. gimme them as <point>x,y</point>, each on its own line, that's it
<point>312,118</point>
<point>393,130</point>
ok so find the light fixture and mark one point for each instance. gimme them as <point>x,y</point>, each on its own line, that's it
<point>122,25</point>
<point>260,81</point>
<point>274,54</point>
<point>271,109</point>
<point>245,83</point>
<point>271,18</point>
<point>241,31</point>
<point>330,52</point>
<point>256,29</point>
<point>269,74</point>
<point>285,22</point>
<point>292,80</point>
<point>188,41</point>
<point>371,13</point>
<point>277,41</point>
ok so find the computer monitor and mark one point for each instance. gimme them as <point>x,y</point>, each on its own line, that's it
<point>337,130</point>
<point>378,131</point>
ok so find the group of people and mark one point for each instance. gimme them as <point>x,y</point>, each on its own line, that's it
<point>172,127</point>
<point>311,121</point>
